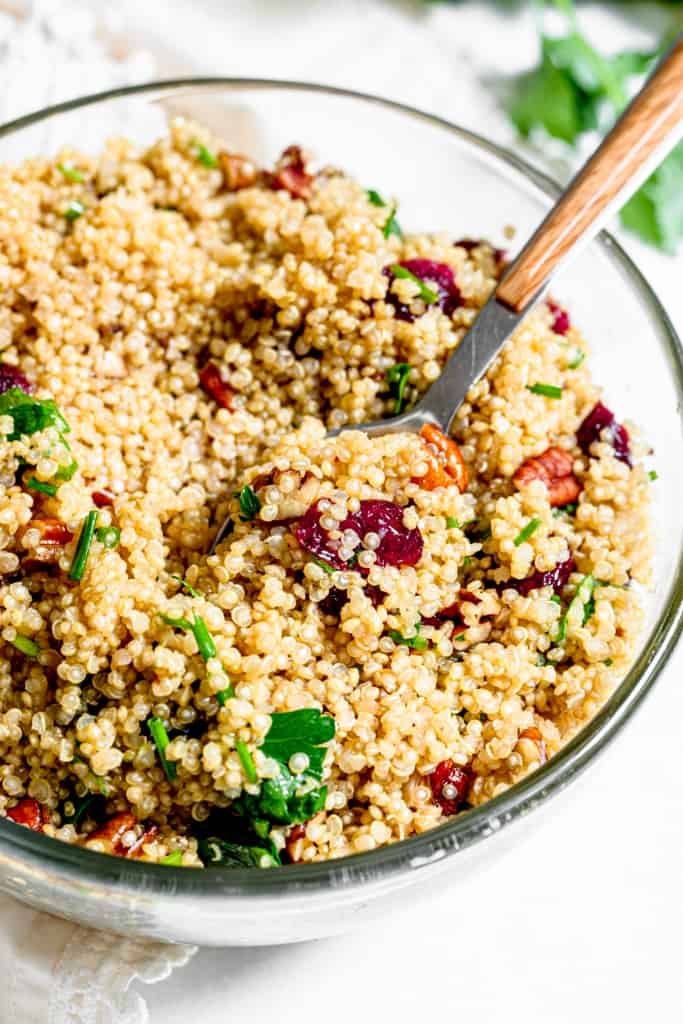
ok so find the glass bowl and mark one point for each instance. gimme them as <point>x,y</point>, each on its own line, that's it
<point>445,178</point>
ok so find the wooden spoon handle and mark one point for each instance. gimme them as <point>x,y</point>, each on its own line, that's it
<point>615,170</point>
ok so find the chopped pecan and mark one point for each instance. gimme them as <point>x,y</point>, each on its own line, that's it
<point>446,465</point>
<point>214,385</point>
<point>111,834</point>
<point>30,813</point>
<point>238,171</point>
<point>554,468</point>
<point>53,533</point>
<point>290,173</point>
<point>295,843</point>
<point>135,851</point>
<point>534,734</point>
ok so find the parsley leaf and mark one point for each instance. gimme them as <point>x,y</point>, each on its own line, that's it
<point>416,643</point>
<point>427,294</point>
<point>219,853</point>
<point>397,378</point>
<point>30,414</point>
<point>250,504</point>
<point>299,732</point>
<point>655,212</point>
<point>286,799</point>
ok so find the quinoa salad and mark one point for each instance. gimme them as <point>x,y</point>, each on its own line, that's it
<point>396,628</point>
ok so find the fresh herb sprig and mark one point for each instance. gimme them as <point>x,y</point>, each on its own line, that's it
<point>250,503</point>
<point>83,546</point>
<point>416,643</point>
<point>397,378</point>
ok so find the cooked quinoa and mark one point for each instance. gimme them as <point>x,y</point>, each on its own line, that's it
<point>178,330</point>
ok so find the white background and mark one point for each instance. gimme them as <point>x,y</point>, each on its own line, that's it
<point>582,923</point>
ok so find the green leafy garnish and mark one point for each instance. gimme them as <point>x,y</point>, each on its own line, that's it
<point>583,598</point>
<point>109,536</point>
<point>83,547</point>
<point>375,198</point>
<point>248,766</point>
<point>66,472</point>
<point>527,531</point>
<point>286,799</point>
<point>73,210</point>
<point>427,294</point>
<point>547,390</point>
<point>219,853</point>
<point>204,155</point>
<point>27,646</point>
<point>452,523</point>
<point>577,360</point>
<point>652,475</point>
<point>71,173</point>
<point>174,859</point>
<point>325,566</point>
<point>299,732</point>
<point>570,509</point>
<point>223,696</point>
<point>392,226</point>
<point>80,805</point>
<point>397,378</point>
<point>186,586</point>
<point>655,212</point>
<point>30,414</point>
<point>157,731</point>
<point>205,642</point>
<point>250,504</point>
<point>39,485</point>
<point>416,643</point>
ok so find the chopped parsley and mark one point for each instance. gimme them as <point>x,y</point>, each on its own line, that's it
<point>80,805</point>
<point>29,415</point>
<point>299,732</point>
<point>652,475</point>
<point>109,536</point>
<point>416,643</point>
<point>174,859</point>
<point>427,294</point>
<point>248,766</point>
<point>27,646</point>
<point>527,531</point>
<point>223,696</point>
<point>73,210</point>
<point>452,523</point>
<point>83,547</point>
<point>204,155</point>
<point>579,357</point>
<point>219,853</point>
<point>397,378</point>
<point>66,472</point>
<point>250,504</point>
<point>375,198</point>
<point>71,173</point>
<point>547,390</point>
<point>39,485</point>
<point>570,509</point>
<point>157,731</point>
<point>608,662</point>
<point>392,226</point>
<point>583,599</point>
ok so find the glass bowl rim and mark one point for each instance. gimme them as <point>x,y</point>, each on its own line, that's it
<point>469,827</point>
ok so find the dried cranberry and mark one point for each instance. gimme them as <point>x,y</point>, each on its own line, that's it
<point>397,545</point>
<point>12,377</point>
<point>450,783</point>
<point>556,578</point>
<point>600,419</point>
<point>432,273</point>
<point>30,813</point>
<point>212,382</point>
<point>453,612</point>
<point>333,602</point>
<point>102,499</point>
<point>561,322</point>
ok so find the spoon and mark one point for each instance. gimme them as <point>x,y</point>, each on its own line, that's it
<point>647,130</point>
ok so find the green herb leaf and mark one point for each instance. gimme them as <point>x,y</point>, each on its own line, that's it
<point>204,155</point>
<point>375,198</point>
<point>568,509</point>
<point>583,598</point>
<point>174,859</point>
<point>39,485</point>
<point>416,643</point>
<point>452,523</point>
<point>176,623</point>
<point>27,646</point>
<point>397,378</point>
<point>655,212</point>
<point>157,731</point>
<point>73,210</point>
<point>299,732</point>
<point>577,360</point>
<point>109,536</point>
<point>325,566</point>
<point>71,173</point>
<point>547,390</point>
<point>83,546</point>
<point>223,696</point>
<point>186,586</point>
<point>286,799</point>
<point>392,226</point>
<point>218,853</point>
<point>30,414</point>
<point>248,766</point>
<point>427,294</point>
<point>527,531</point>
<point>66,472</point>
<point>250,504</point>
<point>80,805</point>
<point>652,475</point>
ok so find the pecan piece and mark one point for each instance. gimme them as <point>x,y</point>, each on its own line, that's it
<point>238,171</point>
<point>30,813</point>
<point>554,468</point>
<point>446,465</point>
<point>290,174</point>
<point>295,843</point>
<point>534,735</point>
<point>212,382</point>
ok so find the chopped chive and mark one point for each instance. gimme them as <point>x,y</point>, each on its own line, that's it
<point>547,390</point>
<point>247,760</point>
<point>174,859</point>
<point>250,504</point>
<point>223,696</point>
<point>452,523</point>
<point>205,156</point>
<point>83,547</point>
<point>73,210</point>
<point>528,531</point>
<point>205,642</point>
<point>652,474</point>
<point>577,360</point>
<point>186,586</point>
<point>375,198</point>
<point>27,646</point>
<point>427,294</point>
<point>417,642</point>
<point>325,565</point>
<point>392,227</point>
<point>38,485</point>
<point>157,731</point>
<point>66,472</point>
<point>584,598</point>
<point>108,535</point>
<point>71,173</point>
<point>176,623</point>
<point>397,378</point>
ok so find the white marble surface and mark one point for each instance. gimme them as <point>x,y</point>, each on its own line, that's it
<point>583,922</point>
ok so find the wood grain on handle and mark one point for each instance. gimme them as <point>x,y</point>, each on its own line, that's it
<point>650,119</point>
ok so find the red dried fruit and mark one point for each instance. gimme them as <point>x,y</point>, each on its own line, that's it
<point>290,174</point>
<point>102,499</point>
<point>333,602</point>
<point>12,377</point>
<point>561,322</point>
<point>446,465</point>
<point>450,784</point>
<point>432,273</point>
<point>554,468</point>
<point>397,544</point>
<point>556,578</point>
<point>453,612</point>
<point>212,382</point>
<point>30,813</point>
<point>600,419</point>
